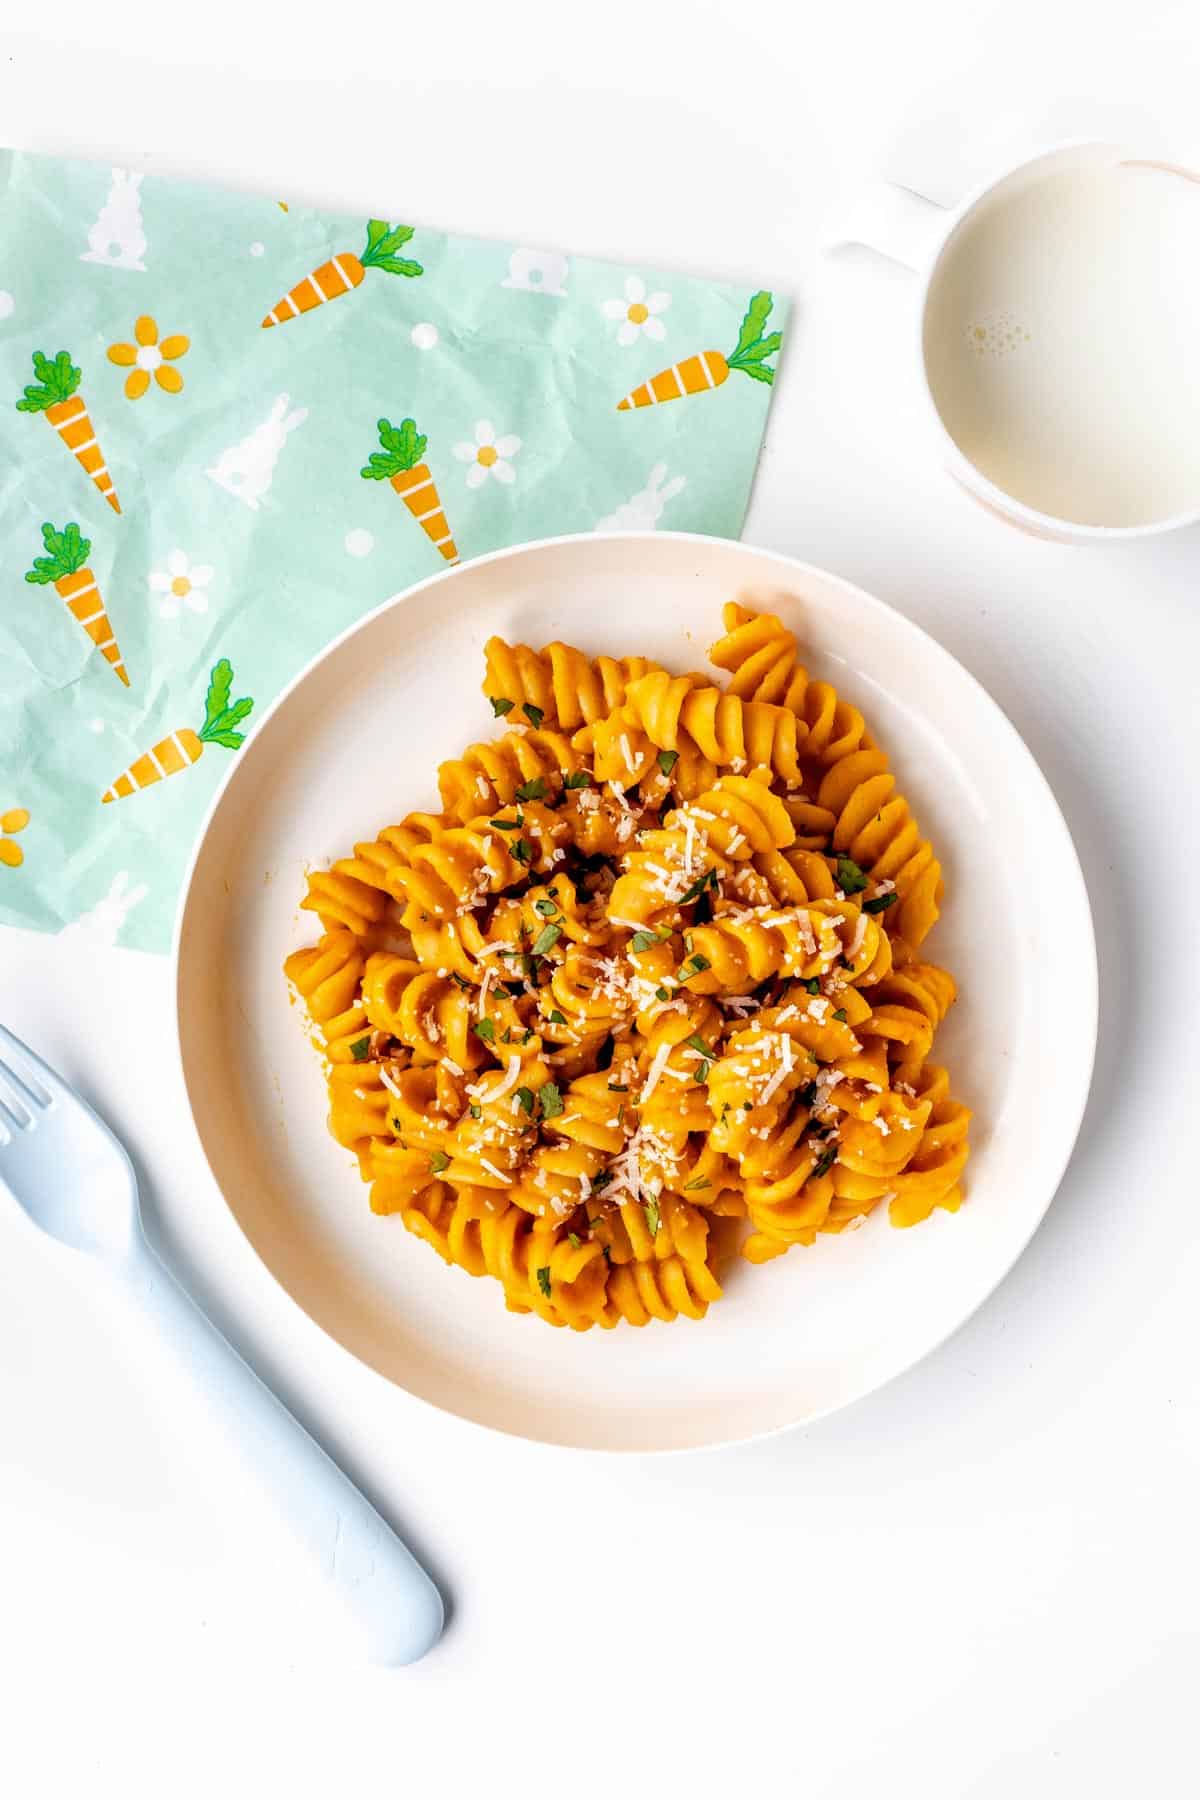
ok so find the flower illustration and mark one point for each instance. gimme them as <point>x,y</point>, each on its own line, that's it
<point>181,583</point>
<point>638,312</point>
<point>149,357</point>
<point>16,819</point>
<point>488,455</point>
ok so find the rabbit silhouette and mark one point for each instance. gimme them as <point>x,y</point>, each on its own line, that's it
<point>538,272</point>
<point>103,923</point>
<point>643,510</point>
<point>247,469</point>
<point>117,237</point>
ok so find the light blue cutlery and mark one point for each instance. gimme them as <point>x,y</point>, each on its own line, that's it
<point>67,1170</point>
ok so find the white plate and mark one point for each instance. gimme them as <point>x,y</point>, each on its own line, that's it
<point>354,743</point>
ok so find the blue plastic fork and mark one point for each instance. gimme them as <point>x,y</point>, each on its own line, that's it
<point>71,1176</point>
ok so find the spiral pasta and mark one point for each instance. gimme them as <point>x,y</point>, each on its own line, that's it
<point>647,992</point>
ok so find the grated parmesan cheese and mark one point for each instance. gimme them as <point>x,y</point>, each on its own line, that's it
<point>656,1069</point>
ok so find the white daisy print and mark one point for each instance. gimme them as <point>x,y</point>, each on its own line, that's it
<point>638,312</point>
<point>488,455</point>
<point>181,583</point>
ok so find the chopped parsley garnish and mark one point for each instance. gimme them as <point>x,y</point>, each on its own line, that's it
<point>507,1037</point>
<point>543,1280</point>
<point>651,1211</point>
<point>505,824</point>
<point>459,980</point>
<point>438,1161</point>
<point>667,760</point>
<point>851,879</point>
<point>551,1100</point>
<point>359,1048</point>
<point>534,714</point>
<point>747,1106</point>
<point>812,985</point>
<point>527,1037</point>
<point>532,790</point>
<point>662,993</point>
<point>646,940</point>
<point>696,1042</point>
<point>546,939</point>
<point>396,1125</point>
<point>578,778</point>
<point>881,902</point>
<point>840,1015</point>
<point>701,1181</point>
<point>522,850</point>
<point>695,965</point>
<point>525,1099</point>
<point>824,1162</point>
<point>702,1072</point>
<point>618,1087</point>
<point>485,1029</point>
<point>557,1018</point>
<point>547,908</point>
<point>500,707</point>
<point>710,879</point>
<point>476,1110</point>
<point>574,1239</point>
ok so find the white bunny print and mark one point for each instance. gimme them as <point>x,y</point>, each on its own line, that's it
<point>103,923</point>
<point>247,468</point>
<point>538,272</point>
<point>117,237</point>
<point>643,510</point>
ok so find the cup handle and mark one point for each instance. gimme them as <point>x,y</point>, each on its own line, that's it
<point>895,221</point>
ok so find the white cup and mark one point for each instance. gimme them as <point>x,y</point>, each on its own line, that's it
<point>1056,346</point>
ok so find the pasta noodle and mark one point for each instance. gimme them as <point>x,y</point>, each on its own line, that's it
<point>647,993</point>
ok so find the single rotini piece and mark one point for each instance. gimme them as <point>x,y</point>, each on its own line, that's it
<point>427,1011</point>
<point>522,765</point>
<point>328,978</point>
<point>457,870</point>
<point>761,655</point>
<point>730,732</point>
<point>354,892</point>
<point>648,991</point>
<point>640,1291</point>
<point>876,829</point>
<point>558,682</point>
<point>741,946</point>
<point>623,755</point>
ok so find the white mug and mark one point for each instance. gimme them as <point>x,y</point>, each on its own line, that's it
<point>1058,338</point>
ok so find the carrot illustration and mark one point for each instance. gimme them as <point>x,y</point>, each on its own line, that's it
<point>400,463</point>
<point>55,394</point>
<point>65,564</point>
<point>708,368</point>
<point>180,749</point>
<point>345,271</point>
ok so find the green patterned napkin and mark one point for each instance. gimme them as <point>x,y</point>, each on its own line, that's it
<point>230,427</point>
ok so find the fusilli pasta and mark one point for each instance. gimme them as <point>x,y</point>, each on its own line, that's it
<point>646,992</point>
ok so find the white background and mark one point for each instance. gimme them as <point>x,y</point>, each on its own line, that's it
<point>981,1582</point>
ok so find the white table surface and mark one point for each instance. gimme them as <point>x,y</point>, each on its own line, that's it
<point>982,1581</point>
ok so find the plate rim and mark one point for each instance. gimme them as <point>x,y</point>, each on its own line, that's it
<point>1084,1061</point>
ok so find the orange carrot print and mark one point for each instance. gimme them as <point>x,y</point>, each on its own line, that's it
<point>400,462</point>
<point>65,564</point>
<point>56,394</point>
<point>345,271</point>
<point>180,749</point>
<point>709,368</point>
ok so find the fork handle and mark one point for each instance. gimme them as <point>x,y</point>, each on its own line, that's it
<point>378,1581</point>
